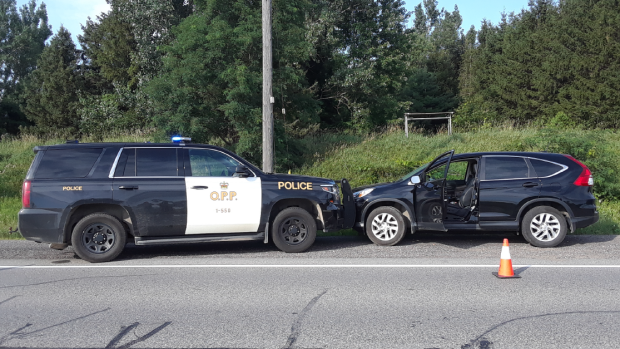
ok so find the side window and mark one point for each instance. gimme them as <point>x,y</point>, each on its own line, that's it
<point>457,171</point>
<point>210,163</point>
<point>497,167</point>
<point>67,163</point>
<point>436,173</point>
<point>544,168</point>
<point>155,162</point>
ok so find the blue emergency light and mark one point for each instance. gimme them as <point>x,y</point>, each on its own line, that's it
<point>179,139</point>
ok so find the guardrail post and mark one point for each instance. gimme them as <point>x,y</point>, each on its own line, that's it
<point>406,127</point>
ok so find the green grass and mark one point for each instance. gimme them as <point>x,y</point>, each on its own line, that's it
<point>379,158</point>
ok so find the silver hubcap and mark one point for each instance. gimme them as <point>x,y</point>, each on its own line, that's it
<point>545,227</point>
<point>384,226</point>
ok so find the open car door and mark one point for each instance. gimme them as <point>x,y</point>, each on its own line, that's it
<point>430,194</point>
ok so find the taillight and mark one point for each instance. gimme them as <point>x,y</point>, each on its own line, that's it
<point>26,194</point>
<point>585,178</point>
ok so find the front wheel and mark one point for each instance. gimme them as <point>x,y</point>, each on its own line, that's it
<point>98,237</point>
<point>294,230</point>
<point>544,226</point>
<point>385,226</point>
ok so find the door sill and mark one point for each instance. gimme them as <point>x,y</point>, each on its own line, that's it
<point>141,241</point>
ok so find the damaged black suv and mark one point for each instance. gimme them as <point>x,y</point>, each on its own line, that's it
<point>540,195</point>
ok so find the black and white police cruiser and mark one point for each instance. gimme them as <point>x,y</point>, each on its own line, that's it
<point>98,196</point>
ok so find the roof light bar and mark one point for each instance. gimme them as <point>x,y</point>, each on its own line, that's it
<point>179,139</point>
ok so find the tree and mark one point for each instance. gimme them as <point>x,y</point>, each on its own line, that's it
<point>22,39</point>
<point>210,84</point>
<point>108,45</point>
<point>51,93</point>
<point>364,54</point>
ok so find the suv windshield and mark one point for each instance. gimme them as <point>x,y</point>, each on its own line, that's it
<point>414,172</point>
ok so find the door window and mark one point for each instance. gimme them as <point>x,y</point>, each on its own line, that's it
<point>210,163</point>
<point>497,167</point>
<point>457,171</point>
<point>156,162</point>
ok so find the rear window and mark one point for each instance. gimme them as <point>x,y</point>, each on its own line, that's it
<point>67,163</point>
<point>505,168</point>
<point>544,168</point>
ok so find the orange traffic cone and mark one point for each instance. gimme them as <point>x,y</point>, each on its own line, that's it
<point>505,264</point>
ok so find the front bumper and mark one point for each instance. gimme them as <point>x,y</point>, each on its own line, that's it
<point>338,217</point>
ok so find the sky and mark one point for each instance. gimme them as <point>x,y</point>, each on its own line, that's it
<point>72,13</point>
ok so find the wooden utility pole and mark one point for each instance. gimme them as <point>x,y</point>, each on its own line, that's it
<point>267,98</point>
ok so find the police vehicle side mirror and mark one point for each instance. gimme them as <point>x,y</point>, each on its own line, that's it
<point>415,180</point>
<point>241,172</point>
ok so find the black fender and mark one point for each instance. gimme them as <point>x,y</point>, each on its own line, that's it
<point>67,216</point>
<point>400,202</point>
<point>271,215</point>
<point>529,204</point>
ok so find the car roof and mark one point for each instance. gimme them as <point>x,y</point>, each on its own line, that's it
<point>541,155</point>
<point>127,144</point>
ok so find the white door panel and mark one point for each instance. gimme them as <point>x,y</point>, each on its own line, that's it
<point>223,204</point>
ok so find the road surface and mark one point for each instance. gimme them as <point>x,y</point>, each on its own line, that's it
<point>432,291</point>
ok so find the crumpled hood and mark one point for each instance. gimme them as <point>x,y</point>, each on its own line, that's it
<point>376,185</point>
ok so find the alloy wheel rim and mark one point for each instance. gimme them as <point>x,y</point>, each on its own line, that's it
<point>384,226</point>
<point>545,227</point>
<point>294,230</point>
<point>437,214</point>
<point>98,238</point>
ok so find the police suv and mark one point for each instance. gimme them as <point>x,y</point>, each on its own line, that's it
<point>98,196</point>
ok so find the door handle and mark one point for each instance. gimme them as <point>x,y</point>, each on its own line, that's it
<point>530,184</point>
<point>128,187</point>
<point>200,187</point>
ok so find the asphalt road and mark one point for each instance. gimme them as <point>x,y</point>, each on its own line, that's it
<point>432,291</point>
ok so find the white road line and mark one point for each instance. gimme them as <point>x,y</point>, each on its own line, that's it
<point>306,266</point>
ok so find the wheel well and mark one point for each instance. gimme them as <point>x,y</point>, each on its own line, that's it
<point>308,205</point>
<point>553,204</point>
<point>84,210</point>
<point>403,210</point>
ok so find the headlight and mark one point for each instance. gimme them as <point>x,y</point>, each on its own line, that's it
<point>334,190</point>
<point>362,193</point>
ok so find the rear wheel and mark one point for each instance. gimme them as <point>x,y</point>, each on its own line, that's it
<point>385,226</point>
<point>544,226</point>
<point>98,237</point>
<point>293,230</point>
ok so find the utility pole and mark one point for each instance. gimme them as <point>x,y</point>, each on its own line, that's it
<point>267,98</point>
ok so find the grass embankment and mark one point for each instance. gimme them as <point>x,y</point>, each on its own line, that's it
<point>389,156</point>
<point>381,158</point>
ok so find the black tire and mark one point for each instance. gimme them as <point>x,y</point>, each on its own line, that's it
<point>293,230</point>
<point>544,226</point>
<point>391,229</point>
<point>98,238</point>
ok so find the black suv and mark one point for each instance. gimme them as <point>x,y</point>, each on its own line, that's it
<point>98,196</point>
<point>540,195</point>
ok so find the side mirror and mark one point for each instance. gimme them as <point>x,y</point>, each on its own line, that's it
<point>415,180</point>
<point>241,172</point>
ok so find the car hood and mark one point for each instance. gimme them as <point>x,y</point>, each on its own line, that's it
<point>376,185</point>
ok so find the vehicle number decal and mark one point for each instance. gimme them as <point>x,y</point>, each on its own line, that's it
<point>222,210</point>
